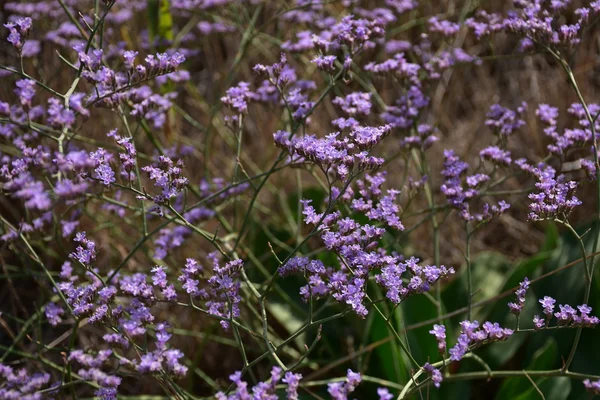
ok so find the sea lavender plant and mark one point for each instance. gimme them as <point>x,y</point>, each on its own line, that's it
<point>251,141</point>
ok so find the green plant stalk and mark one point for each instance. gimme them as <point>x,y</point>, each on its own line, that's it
<point>586,295</point>
<point>589,270</point>
<point>487,374</point>
<point>469,273</point>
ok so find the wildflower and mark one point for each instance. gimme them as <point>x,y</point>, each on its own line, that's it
<point>592,386</point>
<point>436,375</point>
<point>516,308</point>
<point>26,92</point>
<point>505,121</point>
<point>439,331</point>
<point>354,104</point>
<point>556,196</point>
<point>19,30</point>
<point>472,335</point>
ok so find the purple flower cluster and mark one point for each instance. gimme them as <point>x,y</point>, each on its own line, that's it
<point>460,192</point>
<point>555,198</point>
<point>421,279</point>
<point>439,331</point>
<point>496,155</point>
<point>354,104</point>
<point>570,138</point>
<point>422,139</point>
<point>375,205</point>
<point>593,387</point>
<point>282,87</point>
<point>112,88</point>
<point>19,30</point>
<point>237,97</point>
<point>341,390</point>
<point>472,335</point>
<point>504,121</point>
<point>517,307</point>
<point>91,370</point>
<point>167,176</point>
<point>537,21</point>
<point>220,291</point>
<point>356,246</point>
<point>125,308</point>
<point>344,156</point>
<point>262,390</point>
<point>334,60</point>
<point>21,385</point>
<point>566,316</point>
<point>436,375</point>
<point>443,27</point>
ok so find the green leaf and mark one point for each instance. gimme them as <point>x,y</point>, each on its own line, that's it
<point>499,354</point>
<point>160,21</point>
<point>543,359</point>
<point>389,360</point>
<point>488,271</point>
<point>387,357</point>
<point>556,388</point>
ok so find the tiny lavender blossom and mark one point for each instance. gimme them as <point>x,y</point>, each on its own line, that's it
<point>517,307</point>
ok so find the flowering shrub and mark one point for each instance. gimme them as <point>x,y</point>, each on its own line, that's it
<point>235,198</point>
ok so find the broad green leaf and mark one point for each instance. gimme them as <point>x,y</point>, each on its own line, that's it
<point>543,359</point>
<point>389,358</point>
<point>556,388</point>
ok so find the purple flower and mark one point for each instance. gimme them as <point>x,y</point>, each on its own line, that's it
<point>516,308</point>
<point>443,27</point>
<point>325,63</point>
<point>166,175</point>
<point>103,171</point>
<point>439,331</point>
<point>262,390</point>
<point>116,339</point>
<point>496,155</point>
<point>505,121</point>
<point>70,189</point>
<point>436,375</point>
<point>53,313</point>
<point>18,32</point>
<point>357,103</point>
<point>548,305</point>
<point>293,381</point>
<point>592,386</point>
<point>129,58</point>
<point>237,97</point>
<point>472,335</point>
<point>159,277</point>
<point>384,394</point>
<point>304,42</point>
<point>565,315</point>
<point>26,92</point>
<point>341,390</point>
<point>106,393</point>
<point>31,48</point>
<point>85,253</point>
<point>547,114</point>
<point>556,197</point>
<point>538,323</point>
